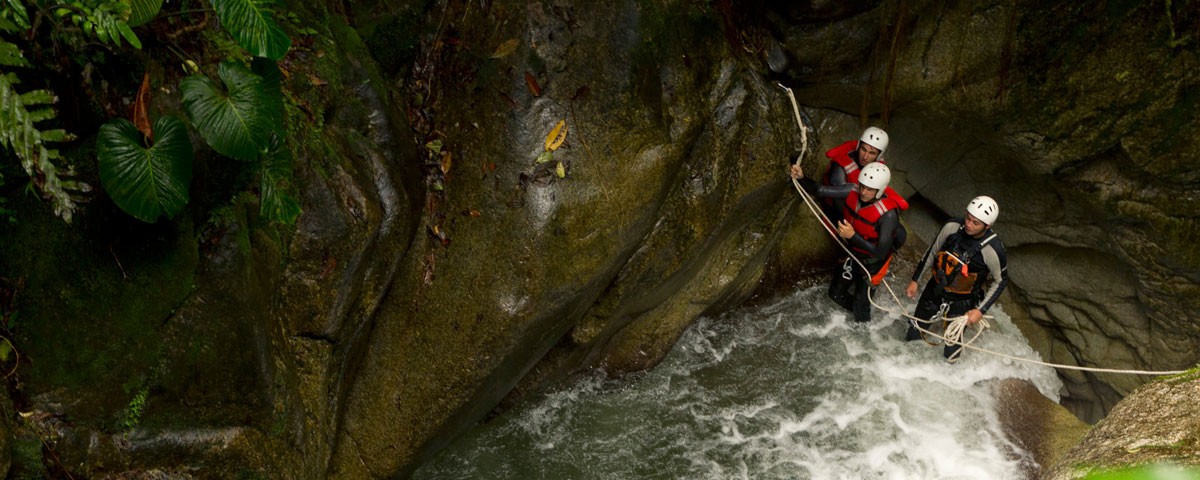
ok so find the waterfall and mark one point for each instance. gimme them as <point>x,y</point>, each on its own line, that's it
<point>794,389</point>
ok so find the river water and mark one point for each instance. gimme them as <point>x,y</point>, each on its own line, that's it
<point>790,390</point>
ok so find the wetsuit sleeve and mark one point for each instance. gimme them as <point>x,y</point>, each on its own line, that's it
<point>824,191</point>
<point>882,246</point>
<point>948,229</point>
<point>837,176</point>
<point>997,265</point>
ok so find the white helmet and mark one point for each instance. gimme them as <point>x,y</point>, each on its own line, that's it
<point>875,175</point>
<point>875,137</point>
<point>983,208</point>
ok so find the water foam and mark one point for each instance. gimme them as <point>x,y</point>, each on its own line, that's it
<point>789,390</point>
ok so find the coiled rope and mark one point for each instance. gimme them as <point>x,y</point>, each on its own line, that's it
<point>957,325</point>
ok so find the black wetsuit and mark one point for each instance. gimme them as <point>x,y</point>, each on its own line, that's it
<point>835,181</point>
<point>987,263</point>
<point>849,285</point>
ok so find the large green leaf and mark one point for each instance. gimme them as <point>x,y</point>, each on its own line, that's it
<point>235,120</point>
<point>146,182</point>
<point>250,23</point>
<point>143,11</point>
<point>272,81</point>
<point>277,205</point>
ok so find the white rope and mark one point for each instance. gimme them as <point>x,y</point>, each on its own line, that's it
<point>957,325</point>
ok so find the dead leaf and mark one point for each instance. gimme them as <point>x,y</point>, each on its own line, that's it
<point>507,99</point>
<point>546,156</point>
<point>532,83</point>
<point>471,213</point>
<point>316,80</point>
<point>556,136</point>
<point>141,119</point>
<point>505,49</point>
<point>440,235</point>
<point>560,170</point>
<point>446,162</point>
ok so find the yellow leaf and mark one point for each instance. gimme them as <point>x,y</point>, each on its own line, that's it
<point>446,162</point>
<point>505,49</point>
<point>556,136</point>
<point>560,170</point>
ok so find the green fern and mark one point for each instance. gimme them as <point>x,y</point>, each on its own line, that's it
<point>19,115</point>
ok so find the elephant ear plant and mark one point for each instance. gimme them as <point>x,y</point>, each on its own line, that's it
<point>239,114</point>
<point>146,181</point>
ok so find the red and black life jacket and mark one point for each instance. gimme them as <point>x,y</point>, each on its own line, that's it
<point>863,217</point>
<point>839,157</point>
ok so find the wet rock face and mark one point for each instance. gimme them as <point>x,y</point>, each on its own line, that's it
<point>440,269</point>
<point>1157,423</point>
<point>1074,118</point>
<point>663,203</point>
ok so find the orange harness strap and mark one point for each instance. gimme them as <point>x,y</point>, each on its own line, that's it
<point>878,277</point>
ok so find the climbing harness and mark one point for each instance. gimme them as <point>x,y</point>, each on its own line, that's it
<point>956,326</point>
<point>951,272</point>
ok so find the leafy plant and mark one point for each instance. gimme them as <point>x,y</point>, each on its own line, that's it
<point>147,174</point>
<point>146,182</point>
<point>14,15</point>
<point>104,20</point>
<point>22,112</point>
<point>142,11</point>
<point>277,205</point>
<point>20,116</point>
<point>234,117</point>
<point>240,115</point>
<point>132,415</point>
<point>253,27</point>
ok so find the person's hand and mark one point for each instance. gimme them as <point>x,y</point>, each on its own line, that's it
<point>796,172</point>
<point>973,316</point>
<point>845,230</point>
<point>911,291</point>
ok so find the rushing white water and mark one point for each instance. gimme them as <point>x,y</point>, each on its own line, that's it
<point>787,391</point>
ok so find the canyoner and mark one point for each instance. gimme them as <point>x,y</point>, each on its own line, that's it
<point>955,326</point>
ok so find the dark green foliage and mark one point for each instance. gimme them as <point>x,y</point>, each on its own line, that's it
<point>234,117</point>
<point>272,89</point>
<point>20,115</point>
<point>13,16</point>
<point>146,182</point>
<point>253,27</point>
<point>104,20</point>
<point>277,205</point>
<point>143,11</point>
